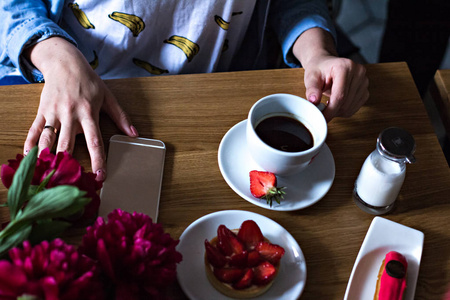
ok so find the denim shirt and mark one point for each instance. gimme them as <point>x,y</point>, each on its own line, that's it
<point>24,23</point>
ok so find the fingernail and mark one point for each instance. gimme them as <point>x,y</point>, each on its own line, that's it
<point>101,175</point>
<point>312,98</point>
<point>134,131</point>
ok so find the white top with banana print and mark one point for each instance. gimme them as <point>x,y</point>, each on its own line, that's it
<point>150,37</point>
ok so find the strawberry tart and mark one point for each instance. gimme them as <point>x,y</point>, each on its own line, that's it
<point>242,263</point>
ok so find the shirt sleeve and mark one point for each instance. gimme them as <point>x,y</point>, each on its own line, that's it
<point>22,24</point>
<point>290,18</point>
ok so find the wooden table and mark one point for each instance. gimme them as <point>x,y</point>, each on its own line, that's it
<point>442,81</point>
<point>439,98</point>
<point>191,113</point>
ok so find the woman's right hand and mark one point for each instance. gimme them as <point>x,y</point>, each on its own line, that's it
<point>70,103</point>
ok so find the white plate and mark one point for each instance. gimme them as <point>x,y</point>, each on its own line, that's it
<point>302,189</point>
<point>384,236</point>
<point>291,278</point>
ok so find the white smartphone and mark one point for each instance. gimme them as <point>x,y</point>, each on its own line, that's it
<point>135,169</point>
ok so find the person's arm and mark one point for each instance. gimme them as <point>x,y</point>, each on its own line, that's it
<point>71,100</point>
<point>73,94</point>
<point>307,37</point>
<point>341,79</point>
<point>24,23</point>
<point>290,18</point>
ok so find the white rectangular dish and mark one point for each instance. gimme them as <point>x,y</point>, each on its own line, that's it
<point>384,236</point>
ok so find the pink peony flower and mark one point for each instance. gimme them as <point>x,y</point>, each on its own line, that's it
<point>135,254</point>
<point>49,271</point>
<point>67,172</point>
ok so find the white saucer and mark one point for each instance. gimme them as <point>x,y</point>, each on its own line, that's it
<point>384,236</point>
<point>288,284</point>
<point>302,189</point>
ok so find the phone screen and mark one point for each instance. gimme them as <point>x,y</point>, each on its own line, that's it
<point>134,176</point>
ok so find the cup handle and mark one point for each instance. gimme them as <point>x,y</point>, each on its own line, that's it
<point>321,106</point>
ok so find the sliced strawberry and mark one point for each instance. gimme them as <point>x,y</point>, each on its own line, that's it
<point>214,256</point>
<point>264,185</point>
<point>228,275</point>
<point>245,281</point>
<point>250,234</point>
<point>270,252</point>
<point>239,260</point>
<point>228,242</point>
<point>261,182</point>
<point>253,258</point>
<point>264,273</point>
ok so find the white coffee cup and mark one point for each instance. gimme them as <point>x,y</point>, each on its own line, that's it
<point>277,161</point>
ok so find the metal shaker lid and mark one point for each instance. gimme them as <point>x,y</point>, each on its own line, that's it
<point>397,144</point>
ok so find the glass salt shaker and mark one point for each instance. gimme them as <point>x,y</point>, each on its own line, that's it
<point>383,172</point>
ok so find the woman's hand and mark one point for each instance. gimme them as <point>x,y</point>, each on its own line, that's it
<point>341,79</point>
<point>70,104</point>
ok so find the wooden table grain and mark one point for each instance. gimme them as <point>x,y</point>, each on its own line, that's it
<point>442,82</point>
<point>439,98</point>
<point>191,114</point>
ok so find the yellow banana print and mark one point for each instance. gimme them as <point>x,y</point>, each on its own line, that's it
<point>133,22</point>
<point>81,16</point>
<point>94,63</point>
<point>221,22</point>
<point>148,67</point>
<point>225,46</point>
<point>187,46</point>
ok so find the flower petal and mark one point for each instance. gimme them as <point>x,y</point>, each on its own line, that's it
<point>7,173</point>
<point>49,270</point>
<point>68,171</point>
<point>50,288</point>
<point>134,253</point>
<point>103,257</point>
<point>12,279</point>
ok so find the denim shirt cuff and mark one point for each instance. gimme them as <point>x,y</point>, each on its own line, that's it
<point>306,23</point>
<point>29,33</point>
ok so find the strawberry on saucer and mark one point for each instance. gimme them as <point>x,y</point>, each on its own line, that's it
<point>303,189</point>
<point>263,185</point>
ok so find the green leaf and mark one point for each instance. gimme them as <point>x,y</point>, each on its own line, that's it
<point>47,230</point>
<point>32,190</point>
<point>13,227</point>
<point>18,191</point>
<point>14,240</point>
<point>28,297</point>
<point>45,181</point>
<point>57,202</point>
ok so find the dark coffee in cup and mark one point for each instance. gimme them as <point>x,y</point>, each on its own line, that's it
<point>285,133</point>
<point>283,117</point>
